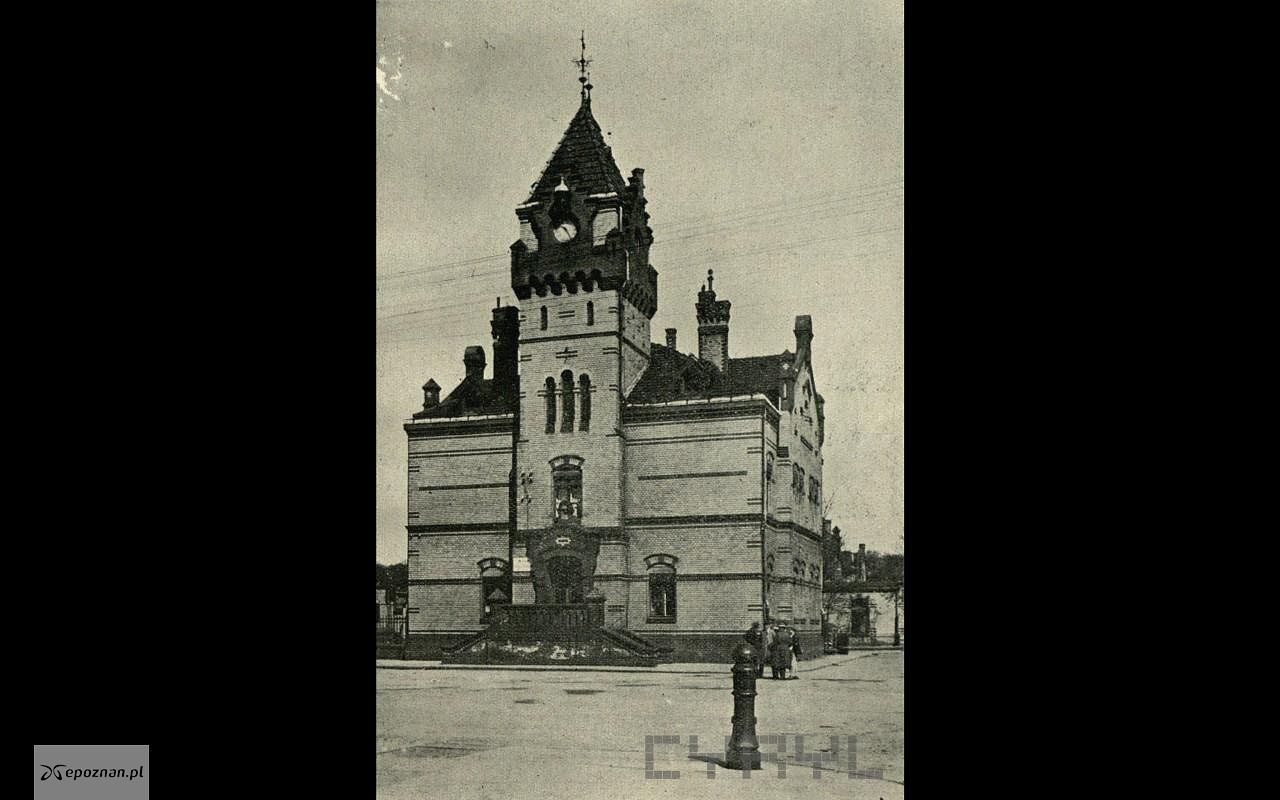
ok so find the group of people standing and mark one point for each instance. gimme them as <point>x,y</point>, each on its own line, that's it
<point>778,644</point>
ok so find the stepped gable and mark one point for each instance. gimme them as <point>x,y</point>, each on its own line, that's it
<point>473,397</point>
<point>582,159</point>
<point>673,375</point>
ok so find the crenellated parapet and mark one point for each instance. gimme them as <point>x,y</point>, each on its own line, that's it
<point>583,228</point>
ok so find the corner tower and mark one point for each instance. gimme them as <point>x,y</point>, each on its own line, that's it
<point>587,292</point>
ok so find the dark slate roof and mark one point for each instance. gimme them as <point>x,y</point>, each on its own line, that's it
<point>583,159</point>
<point>673,375</point>
<point>472,397</point>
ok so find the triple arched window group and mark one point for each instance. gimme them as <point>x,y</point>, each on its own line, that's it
<point>563,395</point>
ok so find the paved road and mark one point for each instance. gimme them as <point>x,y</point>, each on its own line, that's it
<point>462,734</point>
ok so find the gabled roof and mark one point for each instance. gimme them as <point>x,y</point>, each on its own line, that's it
<point>673,375</point>
<point>472,397</point>
<point>583,159</point>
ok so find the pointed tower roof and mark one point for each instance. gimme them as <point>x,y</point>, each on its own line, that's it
<point>582,160</point>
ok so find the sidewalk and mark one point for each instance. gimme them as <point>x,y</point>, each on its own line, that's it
<point>802,667</point>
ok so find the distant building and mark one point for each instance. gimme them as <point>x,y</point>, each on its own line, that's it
<point>867,609</point>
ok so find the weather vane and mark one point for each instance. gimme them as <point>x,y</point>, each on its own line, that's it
<point>582,61</point>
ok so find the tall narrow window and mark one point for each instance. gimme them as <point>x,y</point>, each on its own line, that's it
<point>662,587</point>
<point>566,411</point>
<point>544,318</point>
<point>551,405</point>
<point>591,313</point>
<point>495,586</point>
<point>567,481</point>
<point>584,382</point>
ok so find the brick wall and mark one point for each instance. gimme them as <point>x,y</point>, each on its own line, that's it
<point>694,467</point>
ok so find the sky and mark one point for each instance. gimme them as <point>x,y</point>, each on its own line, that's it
<point>771,135</point>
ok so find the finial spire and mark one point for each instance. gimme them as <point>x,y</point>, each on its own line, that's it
<point>582,62</point>
<point>710,280</point>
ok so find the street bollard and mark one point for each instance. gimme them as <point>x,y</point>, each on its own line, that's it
<point>744,748</point>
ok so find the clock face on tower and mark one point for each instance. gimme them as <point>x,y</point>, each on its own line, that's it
<point>563,225</point>
<point>564,231</point>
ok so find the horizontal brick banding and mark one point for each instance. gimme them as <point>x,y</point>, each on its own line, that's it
<point>701,519</point>
<point>792,526</point>
<point>477,427</point>
<point>462,527</point>
<point>444,581</point>
<point>605,533</point>
<point>699,411</point>
<point>452,453</point>
<point>688,576</point>
<point>690,439</point>
<point>678,475</point>
<point>568,336</point>
<point>503,485</point>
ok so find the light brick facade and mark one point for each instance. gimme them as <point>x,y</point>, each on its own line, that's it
<point>596,462</point>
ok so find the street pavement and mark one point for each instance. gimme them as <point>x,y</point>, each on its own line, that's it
<point>549,734</point>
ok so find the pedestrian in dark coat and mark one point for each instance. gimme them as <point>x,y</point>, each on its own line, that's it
<point>756,636</point>
<point>780,655</point>
<point>795,649</point>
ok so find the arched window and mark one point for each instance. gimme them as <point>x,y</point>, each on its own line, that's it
<point>591,313</point>
<point>566,410</point>
<point>566,479</point>
<point>495,586</point>
<point>551,405</point>
<point>662,587</point>
<point>544,318</point>
<point>584,382</point>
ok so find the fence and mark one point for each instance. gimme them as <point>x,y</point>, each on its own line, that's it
<point>391,630</point>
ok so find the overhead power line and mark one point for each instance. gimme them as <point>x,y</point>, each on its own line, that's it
<point>678,227</point>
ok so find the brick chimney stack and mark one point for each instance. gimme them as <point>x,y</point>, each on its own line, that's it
<point>473,360</point>
<point>506,353</point>
<point>713,326</point>
<point>671,338</point>
<point>862,562</point>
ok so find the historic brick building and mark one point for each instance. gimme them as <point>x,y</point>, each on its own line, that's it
<point>686,490</point>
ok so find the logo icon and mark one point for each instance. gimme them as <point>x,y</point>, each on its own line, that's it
<point>54,771</point>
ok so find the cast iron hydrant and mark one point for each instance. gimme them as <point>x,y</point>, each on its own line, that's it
<point>744,748</point>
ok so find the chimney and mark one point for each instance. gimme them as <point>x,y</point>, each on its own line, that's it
<point>671,338</point>
<point>862,563</point>
<point>713,326</point>
<point>473,360</point>
<point>804,335</point>
<point>506,336</point>
<point>430,394</point>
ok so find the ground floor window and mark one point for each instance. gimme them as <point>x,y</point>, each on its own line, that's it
<point>495,587</point>
<point>662,587</point>
<point>662,596</point>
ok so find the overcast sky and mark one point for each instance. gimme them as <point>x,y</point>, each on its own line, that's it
<point>771,135</point>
